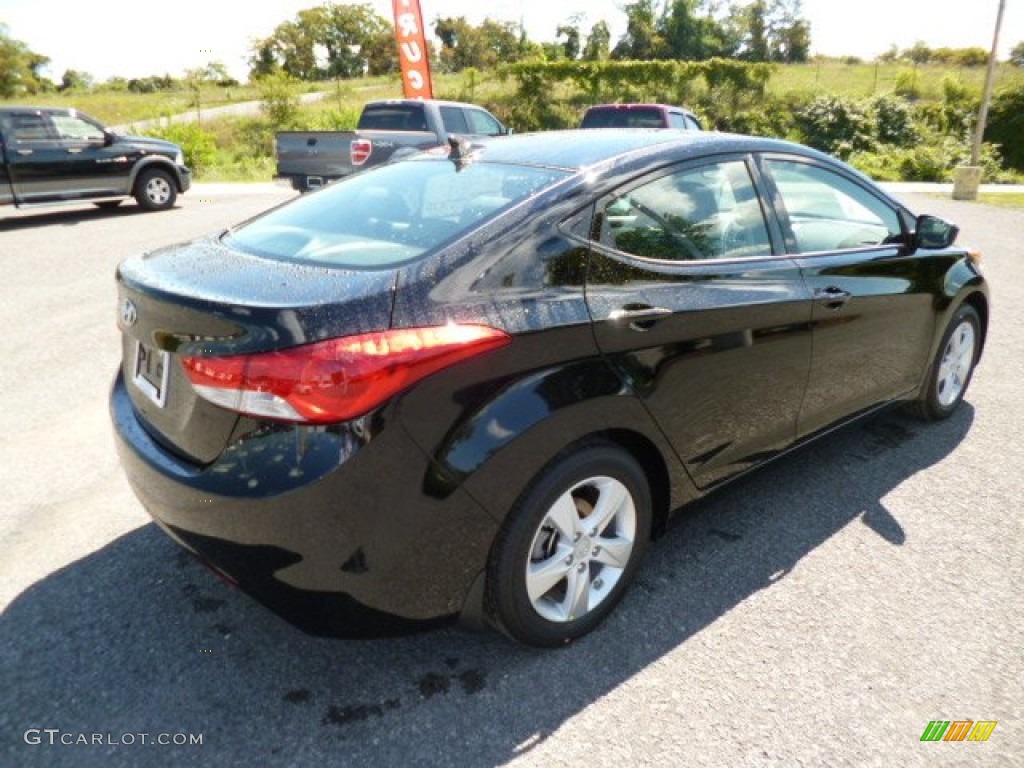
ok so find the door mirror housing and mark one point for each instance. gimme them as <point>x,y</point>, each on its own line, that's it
<point>934,233</point>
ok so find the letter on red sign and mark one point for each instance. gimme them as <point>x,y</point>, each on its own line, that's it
<point>412,50</point>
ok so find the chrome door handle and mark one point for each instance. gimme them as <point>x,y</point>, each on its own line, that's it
<point>24,151</point>
<point>640,318</point>
<point>74,151</point>
<point>833,297</point>
<point>644,313</point>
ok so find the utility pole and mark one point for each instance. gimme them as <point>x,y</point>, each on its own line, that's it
<point>987,96</point>
<point>965,186</point>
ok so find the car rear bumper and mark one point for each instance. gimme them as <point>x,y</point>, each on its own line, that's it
<point>334,530</point>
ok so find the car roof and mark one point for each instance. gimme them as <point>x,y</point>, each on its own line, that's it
<point>582,149</point>
<point>637,106</point>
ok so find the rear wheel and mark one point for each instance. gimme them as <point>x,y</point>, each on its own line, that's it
<point>155,190</point>
<point>953,366</point>
<point>570,547</point>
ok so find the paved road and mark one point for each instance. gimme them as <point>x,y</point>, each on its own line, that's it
<point>821,612</point>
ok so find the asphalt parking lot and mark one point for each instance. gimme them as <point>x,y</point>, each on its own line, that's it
<point>820,612</point>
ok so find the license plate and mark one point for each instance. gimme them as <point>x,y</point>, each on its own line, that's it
<point>152,369</point>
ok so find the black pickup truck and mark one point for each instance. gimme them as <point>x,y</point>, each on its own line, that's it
<point>387,130</point>
<point>52,155</point>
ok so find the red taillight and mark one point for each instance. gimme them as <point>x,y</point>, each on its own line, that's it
<point>337,379</point>
<point>359,150</point>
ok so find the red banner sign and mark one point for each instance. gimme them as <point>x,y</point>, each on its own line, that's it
<point>413,53</point>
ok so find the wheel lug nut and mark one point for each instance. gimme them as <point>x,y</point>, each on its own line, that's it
<point>596,552</point>
<point>581,567</point>
<point>568,560</point>
<point>576,537</point>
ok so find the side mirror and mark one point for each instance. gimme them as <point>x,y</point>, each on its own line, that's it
<point>934,233</point>
<point>506,131</point>
<point>108,138</point>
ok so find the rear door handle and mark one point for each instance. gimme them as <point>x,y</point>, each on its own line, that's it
<point>640,318</point>
<point>24,151</point>
<point>833,297</point>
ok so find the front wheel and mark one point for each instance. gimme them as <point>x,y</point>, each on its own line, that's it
<point>155,190</point>
<point>953,366</point>
<point>570,547</point>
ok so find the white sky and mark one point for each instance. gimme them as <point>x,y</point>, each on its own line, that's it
<point>137,38</point>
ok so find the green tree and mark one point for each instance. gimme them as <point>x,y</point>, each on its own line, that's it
<point>791,32</point>
<point>571,44</point>
<point>598,46</point>
<point>332,40</point>
<point>693,33</point>
<point>19,67</point>
<point>73,80</point>
<point>918,53</point>
<point>642,40</point>
<point>483,47</point>
<point>1017,55</point>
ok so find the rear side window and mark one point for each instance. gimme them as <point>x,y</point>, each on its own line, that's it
<point>390,215</point>
<point>710,212</point>
<point>393,117</point>
<point>454,120</point>
<point>28,127</point>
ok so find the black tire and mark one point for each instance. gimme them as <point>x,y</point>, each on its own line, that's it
<point>155,190</point>
<point>534,547</point>
<point>107,204</point>
<point>951,370</point>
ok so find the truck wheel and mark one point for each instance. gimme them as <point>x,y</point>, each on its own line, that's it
<point>154,190</point>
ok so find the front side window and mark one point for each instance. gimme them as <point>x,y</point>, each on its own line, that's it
<point>73,128</point>
<point>390,215</point>
<point>711,212</point>
<point>828,212</point>
<point>482,123</point>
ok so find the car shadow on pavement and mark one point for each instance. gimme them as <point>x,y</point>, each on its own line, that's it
<point>66,217</point>
<point>137,638</point>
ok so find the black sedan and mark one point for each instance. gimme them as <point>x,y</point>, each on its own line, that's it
<point>476,383</point>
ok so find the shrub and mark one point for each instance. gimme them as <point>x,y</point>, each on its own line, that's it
<point>908,85</point>
<point>1006,125</point>
<point>198,145</point>
<point>279,94</point>
<point>894,122</point>
<point>836,125</point>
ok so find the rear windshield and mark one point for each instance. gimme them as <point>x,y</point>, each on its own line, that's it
<point>384,217</point>
<point>643,117</point>
<point>393,117</point>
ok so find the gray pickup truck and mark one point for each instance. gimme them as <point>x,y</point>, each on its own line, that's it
<point>387,130</point>
<point>51,155</point>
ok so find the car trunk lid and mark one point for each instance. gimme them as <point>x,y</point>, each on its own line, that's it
<point>204,299</point>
